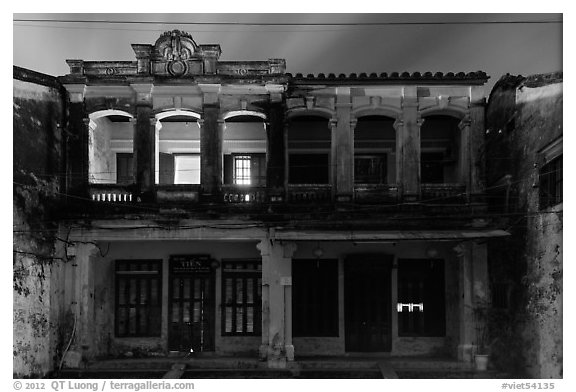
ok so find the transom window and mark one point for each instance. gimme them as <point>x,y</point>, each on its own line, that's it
<point>242,297</point>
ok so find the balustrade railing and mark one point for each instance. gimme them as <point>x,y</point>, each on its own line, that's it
<point>443,193</point>
<point>243,194</point>
<point>111,193</point>
<point>375,193</point>
<point>309,192</point>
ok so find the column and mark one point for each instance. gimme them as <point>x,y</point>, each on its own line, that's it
<point>275,149</point>
<point>466,324</point>
<point>83,304</point>
<point>333,170</point>
<point>276,347</point>
<point>408,144</point>
<point>473,292</point>
<point>77,143</point>
<point>344,147</point>
<point>211,144</point>
<point>144,143</point>
<point>464,158</point>
<point>477,183</point>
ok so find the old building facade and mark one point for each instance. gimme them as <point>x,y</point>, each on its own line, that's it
<point>232,208</point>
<point>524,174</point>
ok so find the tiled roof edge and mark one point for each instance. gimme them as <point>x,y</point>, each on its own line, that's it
<point>427,76</point>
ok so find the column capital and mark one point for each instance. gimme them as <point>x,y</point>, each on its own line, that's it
<point>143,93</point>
<point>332,124</point>
<point>465,122</point>
<point>275,92</point>
<point>76,92</point>
<point>353,123</point>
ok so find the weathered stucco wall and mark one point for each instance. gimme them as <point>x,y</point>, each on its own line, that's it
<point>106,344</point>
<point>524,116</point>
<point>37,264</point>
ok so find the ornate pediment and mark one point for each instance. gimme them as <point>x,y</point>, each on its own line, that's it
<point>175,45</point>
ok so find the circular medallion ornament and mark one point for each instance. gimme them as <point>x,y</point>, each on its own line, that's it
<point>177,68</point>
<point>110,71</point>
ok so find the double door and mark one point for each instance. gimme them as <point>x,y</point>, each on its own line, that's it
<point>191,311</point>
<point>367,305</point>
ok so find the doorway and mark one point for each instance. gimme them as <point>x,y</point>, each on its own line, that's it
<point>191,304</point>
<point>367,303</point>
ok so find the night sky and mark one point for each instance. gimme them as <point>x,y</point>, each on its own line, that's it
<point>516,48</point>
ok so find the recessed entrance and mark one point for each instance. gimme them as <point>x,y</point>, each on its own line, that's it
<point>191,304</point>
<point>367,304</point>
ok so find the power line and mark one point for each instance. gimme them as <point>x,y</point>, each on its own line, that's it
<point>294,24</point>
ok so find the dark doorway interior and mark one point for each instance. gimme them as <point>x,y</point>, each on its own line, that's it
<point>367,307</point>
<point>191,304</point>
<point>315,297</point>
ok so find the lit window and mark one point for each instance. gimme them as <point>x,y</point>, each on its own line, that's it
<point>187,169</point>
<point>242,170</point>
<point>242,297</point>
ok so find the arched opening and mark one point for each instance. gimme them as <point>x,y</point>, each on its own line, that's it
<point>375,150</point>
<point>110,148</point>
<point>309,150</point>
<point>244,150</point>
<point>177,148</point>
<point>440,150</point>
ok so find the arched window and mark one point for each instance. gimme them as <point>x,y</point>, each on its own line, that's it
<point>244,150</point>
<point>177,148</point>
<point>309,145</point>
<point>440,150</point>
<point>375,150</point>
<point>110,148</point>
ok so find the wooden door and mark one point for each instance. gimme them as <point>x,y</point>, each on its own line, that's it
<point>367,304</point>
<point>191,309</point>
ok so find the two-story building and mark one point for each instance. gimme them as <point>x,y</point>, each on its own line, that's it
<point>230,207</point>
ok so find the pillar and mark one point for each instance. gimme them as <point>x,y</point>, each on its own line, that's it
<point>277,347</point>
<point>77,143</point>
<point>408,144</point>
<point>477,156</point>
<point>210,154</point>
<point>83,305</point>
<point>344,139</point>
<point>144,143</point>
<point>333,169</point>
<point>211,134</point>
<point>466,316</point>
<point>275,159</point>
<point>464,158</point>
<point>473,292</point>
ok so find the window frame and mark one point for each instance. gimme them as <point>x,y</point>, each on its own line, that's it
<point>246,169</point>
<point>549,158</point>
<point>244,274</point>
<point>139,275</point>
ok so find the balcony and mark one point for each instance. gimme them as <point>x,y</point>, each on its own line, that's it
<point>444,193</point>
<point>306,193</point>
<point>179,193</point>
<point>110,193</point>
<point>375,193</point>
<point>243,194</point>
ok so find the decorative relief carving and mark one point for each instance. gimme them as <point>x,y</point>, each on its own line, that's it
<point>175,45</point>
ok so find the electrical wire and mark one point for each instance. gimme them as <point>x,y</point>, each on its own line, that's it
<point>295,24</point>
